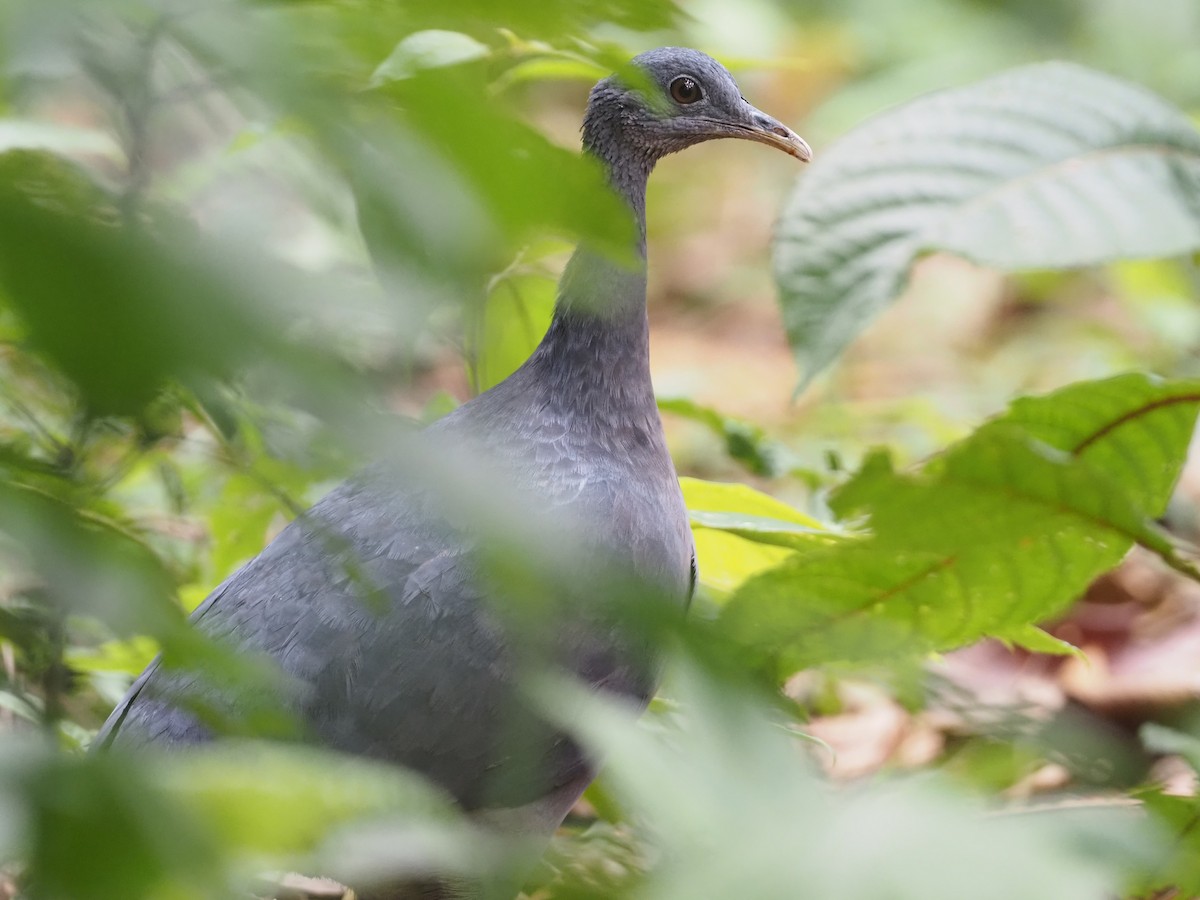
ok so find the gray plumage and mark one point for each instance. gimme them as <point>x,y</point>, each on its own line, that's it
<point>392,642</point>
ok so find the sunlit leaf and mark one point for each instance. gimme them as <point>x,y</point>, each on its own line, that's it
<point>741,532</point>
<point>1000,532</point>
<point>708,497</point>
<point>130,656</point>
<point>551,68</point>
<point>725,560</point>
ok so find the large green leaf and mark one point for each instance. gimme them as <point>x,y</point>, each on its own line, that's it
<point>1045,166</point>
<point>1002,531</point>
<point>1132,426</point>
<point>715,504</point>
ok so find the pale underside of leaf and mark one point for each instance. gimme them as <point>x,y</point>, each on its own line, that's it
<point>1046,166</point>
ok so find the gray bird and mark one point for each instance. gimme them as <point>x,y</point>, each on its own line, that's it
<point>377,603</point>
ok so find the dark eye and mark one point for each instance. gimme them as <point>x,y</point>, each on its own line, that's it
<point>685,90</point>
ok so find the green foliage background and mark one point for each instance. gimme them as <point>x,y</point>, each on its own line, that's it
<point>244,246</point>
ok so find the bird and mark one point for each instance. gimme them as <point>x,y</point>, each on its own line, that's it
<point>376,603</point>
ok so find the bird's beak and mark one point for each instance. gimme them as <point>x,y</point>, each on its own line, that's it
<point>765,130</point>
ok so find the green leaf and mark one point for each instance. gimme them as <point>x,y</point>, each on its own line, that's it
<point>129,656</point>
<point>1133,426</point>
<point>540,19</point>
<point>740,500</point>
<point>741,532</point>
<point>762,528</point>
<point>1035,640</point>
<point>1045,166</point>
<point>95,827</point>
<point>283,799</point>
<point>1179,868</point>
<point>239,522</point>
<point>513,321</point>
<point>551,68</point>
<point>724,561</point>
<point>88,565</point>
<point>1001,531</point>
<point>1179,865</point>
<point>428,50</point>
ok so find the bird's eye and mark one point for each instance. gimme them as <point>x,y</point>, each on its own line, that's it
<point>685,90</point>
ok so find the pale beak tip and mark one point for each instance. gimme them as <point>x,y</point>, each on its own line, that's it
<point>774,132</point>
<point>801,150</point>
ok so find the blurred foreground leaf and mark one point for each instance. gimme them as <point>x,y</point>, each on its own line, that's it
<point>206,822</point>
<point>280,799</point>
<point>538,18</point>
<point>1046,166</point>
<point>1179,866</point>
<point>737,811</point>
<point>121,313</point>
<point>98,828</point>
<point>84,564</point>
<point>430,49</point>
<point>545,186</point>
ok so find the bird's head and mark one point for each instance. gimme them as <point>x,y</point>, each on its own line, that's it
<point>683,97</point>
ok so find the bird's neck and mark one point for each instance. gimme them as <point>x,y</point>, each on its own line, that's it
<point>599,336</point>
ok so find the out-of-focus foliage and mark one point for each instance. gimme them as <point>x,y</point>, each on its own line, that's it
<point>234,232</point>
<point>767,827</point>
